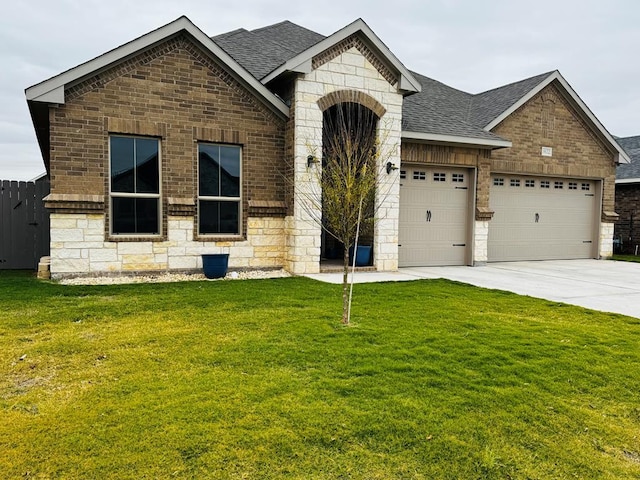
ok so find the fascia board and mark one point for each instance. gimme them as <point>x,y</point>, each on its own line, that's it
<point>627,180</point>
<point>55,96</point>
<point>41,91</point>
<point>621,155</point>
<point>620,159</point>
<point>435,137</point>
<point>407,81</point>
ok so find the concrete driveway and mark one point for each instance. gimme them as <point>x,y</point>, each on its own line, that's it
<point>602,285</point>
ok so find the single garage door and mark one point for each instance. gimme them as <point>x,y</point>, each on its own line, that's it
<point>433,225</point>
<point>538,218</point>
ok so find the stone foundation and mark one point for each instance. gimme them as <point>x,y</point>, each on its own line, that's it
<point>480,242</point>
<point>606,240</point>
<point>78,247</point>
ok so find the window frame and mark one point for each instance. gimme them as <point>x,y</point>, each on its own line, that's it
<point>220,198</point>
<point>157,196</point>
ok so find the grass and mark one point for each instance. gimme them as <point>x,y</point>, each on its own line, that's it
<point>626,258</point>
<point>258,379</point>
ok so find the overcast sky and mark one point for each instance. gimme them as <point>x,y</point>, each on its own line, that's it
<point>472,45</point>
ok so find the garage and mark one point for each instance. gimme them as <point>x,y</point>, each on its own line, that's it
<point>434,215</point>
<point>542,218</point>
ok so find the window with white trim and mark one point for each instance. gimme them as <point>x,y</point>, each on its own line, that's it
<point>514,182</point>
<point>219,189</point>
<point>439,177</point>
<point>134,184</point>
<point>529,183</point>
<point>498,182</point>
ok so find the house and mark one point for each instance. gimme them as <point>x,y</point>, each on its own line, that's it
<point>177,144</point>
<point>627,228</point>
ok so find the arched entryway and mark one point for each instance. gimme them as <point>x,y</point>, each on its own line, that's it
<point>349,171</point>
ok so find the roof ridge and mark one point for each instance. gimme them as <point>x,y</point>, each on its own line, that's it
<point>541,75</point>
<point>273,25</point>
<point>441,83</point>
<point>284,22</point>
<point>632,137</point>
<point>229,33</point>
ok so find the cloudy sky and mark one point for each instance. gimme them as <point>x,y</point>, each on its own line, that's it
<point>472,45</point>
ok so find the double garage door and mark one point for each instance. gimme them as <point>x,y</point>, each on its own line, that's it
<point>536,218</point>
<point>541,218</point>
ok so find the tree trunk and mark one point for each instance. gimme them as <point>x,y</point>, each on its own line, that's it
<point>345,286</point>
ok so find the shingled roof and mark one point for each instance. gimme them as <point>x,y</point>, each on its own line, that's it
<point>431,110</point>
<point>440,110</point>
<point>630,172</point>
<point>487,106</point>
<point>262,50</point>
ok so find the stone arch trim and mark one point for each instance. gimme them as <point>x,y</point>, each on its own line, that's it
<point>354,41</point>
<point>352,96</point>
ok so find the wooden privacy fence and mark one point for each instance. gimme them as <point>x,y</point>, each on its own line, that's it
<point>24,224</point>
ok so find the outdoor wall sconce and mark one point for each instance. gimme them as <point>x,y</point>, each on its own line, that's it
<point>391,167</point>
<point>311,160</point>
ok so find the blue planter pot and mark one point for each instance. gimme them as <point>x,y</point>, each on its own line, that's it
<point>363,256</point>
<point>215,265</point>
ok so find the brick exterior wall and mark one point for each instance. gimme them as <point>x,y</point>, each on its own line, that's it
<point>627,228</point>
<point>174,92</point>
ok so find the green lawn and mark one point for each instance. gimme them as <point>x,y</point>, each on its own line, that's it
<point>258,380</point>
<point>626,258</point>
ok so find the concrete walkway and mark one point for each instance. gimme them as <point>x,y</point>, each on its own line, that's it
<point>602,285</point>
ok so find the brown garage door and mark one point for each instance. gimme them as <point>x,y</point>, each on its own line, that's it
<point>539,218</point>
<point>434,206</point>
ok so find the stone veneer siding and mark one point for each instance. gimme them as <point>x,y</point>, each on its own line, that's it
<point>77,239</point>
<point>347,70</point>
<point>175,92</point>
<point>627,228</point>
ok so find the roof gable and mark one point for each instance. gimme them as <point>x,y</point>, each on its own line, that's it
<point>531,87</point>
<point>53,89</point>
<point>303,61</point>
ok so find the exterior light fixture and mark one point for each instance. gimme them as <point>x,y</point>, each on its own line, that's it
<point>311,160</point>
<point>391,167</point>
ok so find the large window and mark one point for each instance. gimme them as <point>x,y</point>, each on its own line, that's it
<point>219,191</point>
<point>135,185</point>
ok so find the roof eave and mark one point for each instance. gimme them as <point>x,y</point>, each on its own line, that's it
<point>456,139</point>
<point>623,181</point>
<point>620,155</point>
<point>301,63</point>
<point>52,90</point>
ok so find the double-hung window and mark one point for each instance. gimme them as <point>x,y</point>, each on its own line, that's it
<point>219,189</point>
<point>134,165</point>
